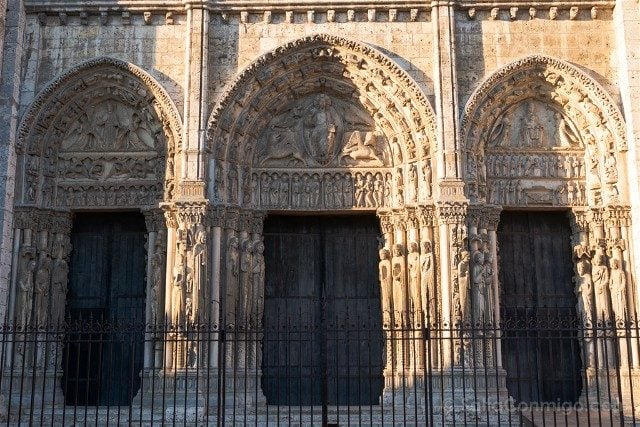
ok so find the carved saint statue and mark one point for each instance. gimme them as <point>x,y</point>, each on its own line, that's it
<point>157,280</point>
<point>178,292</point>
<point>479,287</point>
<point>618,289</point>
<point>398,273</point>
<point>384,272</point>
<point>233,268</point>
<point>245,293</point>
<point>584,289</point>
<point>600,275</point>
<point>25,285</point>
<point>427,279</point>
<point>426,175</point>
<point>59,278</point>
<point>463,284</point>
<point>42,287</point>
<point>257,271</point>
<point>415,291</point>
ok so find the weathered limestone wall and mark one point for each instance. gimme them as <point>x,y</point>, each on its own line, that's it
<point>11,48</point>
<point>234,44</point>
<point>58,43</point>
<point>485,44</point>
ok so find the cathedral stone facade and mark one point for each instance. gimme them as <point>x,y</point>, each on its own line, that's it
<point>204,120</point>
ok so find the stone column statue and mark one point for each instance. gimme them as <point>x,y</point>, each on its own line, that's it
<point>25,287</point>
<point>600,275</point>
<point>427,280</point>
<point>178,291</point>
<point>233,268</point>
<point>415,291</point>
<point>462,286</point>
<point>59,278</point>
<point>398,273</point>
<point>257,271</point>
<point>584,289</point>
<point>384,272</point>
<point>479,288</point>
<point>618,289</point>
<point>42,288</point>
<point>245,293</point>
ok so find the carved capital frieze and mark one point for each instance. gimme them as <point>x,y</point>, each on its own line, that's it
<point>490,217</point>
<point>154,219</point>
<point>426,216</point>
<point>595,216</point>
<point>451,213</point>
<point>42,220</point>
<point>386,221</point>
<point>231,218</point>
<point>579,220</point>
<point>217,216</point>
<point>191,213</point>
<point>617,216</point>
<point>257,222</point>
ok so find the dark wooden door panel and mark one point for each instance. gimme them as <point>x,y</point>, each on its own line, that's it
<point>323,339</point>
<point>541,355</point>
<point>106,284</point>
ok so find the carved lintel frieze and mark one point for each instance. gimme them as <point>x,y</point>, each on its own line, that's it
<point>42,220</point>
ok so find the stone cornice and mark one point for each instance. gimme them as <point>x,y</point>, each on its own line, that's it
<point>35,6</point>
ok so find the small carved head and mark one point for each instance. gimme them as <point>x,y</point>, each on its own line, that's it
<point>472,13</point>
<point>573,12</point>
<point>553,12</point>
<point>532,12</point>
<point>426,246</point>
<point>413,247</point>
<point>398,250</point>
<point>147,17</point>
<point>494,13</point>
<point>384,253</point>
<point>615,263</point>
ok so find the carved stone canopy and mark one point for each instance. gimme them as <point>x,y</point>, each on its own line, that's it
<point>313,71</point>
<point>104,134</point>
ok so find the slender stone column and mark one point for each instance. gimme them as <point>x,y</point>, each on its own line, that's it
<point>215,282</point>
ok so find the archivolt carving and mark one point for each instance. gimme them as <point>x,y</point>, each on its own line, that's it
<point>105,129</point>
<point>316,103</point>
<point>540,131</point>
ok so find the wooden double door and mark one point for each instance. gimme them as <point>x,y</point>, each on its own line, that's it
<point>106,298</point>
<point>323,341</point>
<point>540,351</point>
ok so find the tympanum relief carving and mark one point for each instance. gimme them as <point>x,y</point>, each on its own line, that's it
<point>534,156</point>
<point>102,136</point>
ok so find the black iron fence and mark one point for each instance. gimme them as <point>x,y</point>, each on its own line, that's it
<point>335,370</point>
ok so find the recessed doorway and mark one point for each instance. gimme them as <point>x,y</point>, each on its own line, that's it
<point>541,351</point>
<point>323,341</point>
<point>106,290</point>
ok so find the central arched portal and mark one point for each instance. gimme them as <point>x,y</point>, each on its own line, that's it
<point>322,128</point>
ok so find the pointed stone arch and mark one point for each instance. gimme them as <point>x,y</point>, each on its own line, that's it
<point>59,143</point>
<point>354,78</point>
<point>577,101</point>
